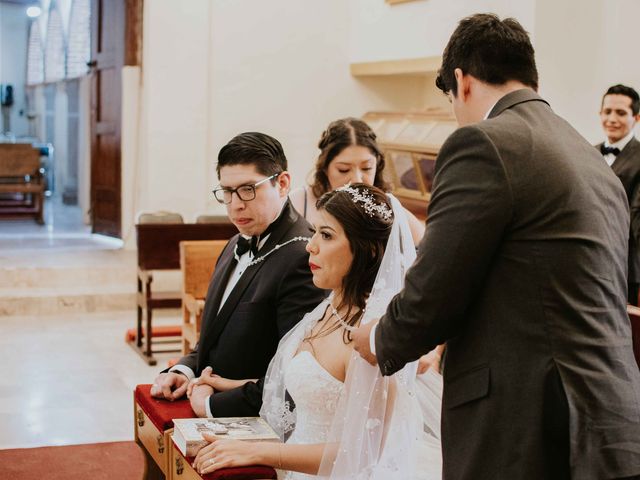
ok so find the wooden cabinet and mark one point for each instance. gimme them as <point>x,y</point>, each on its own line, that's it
<point>411,142</point>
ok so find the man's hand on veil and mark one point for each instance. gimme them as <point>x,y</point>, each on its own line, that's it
<point>361,342</point>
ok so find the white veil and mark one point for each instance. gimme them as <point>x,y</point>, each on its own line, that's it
<point>384,427</point>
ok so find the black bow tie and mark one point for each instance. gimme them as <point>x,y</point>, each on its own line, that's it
<point>246,244</point>
<point>251,243</point>
<point>606,150</point>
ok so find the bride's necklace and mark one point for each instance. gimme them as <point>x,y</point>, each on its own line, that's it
<point>347,327</point>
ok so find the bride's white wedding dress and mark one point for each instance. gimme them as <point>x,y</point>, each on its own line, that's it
<point>370,438</point>
<point>315,392</point>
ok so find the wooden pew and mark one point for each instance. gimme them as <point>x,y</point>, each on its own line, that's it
<point>21,182</point>
<point>197,262</point>
<point>158,249</point>
<point>634,317</point>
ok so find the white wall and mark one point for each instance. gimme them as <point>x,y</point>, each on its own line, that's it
<point>288,75</point>
<point>215,69</point>
<point>380,31</point>
<point>583,51</point>
<point>13,51</point>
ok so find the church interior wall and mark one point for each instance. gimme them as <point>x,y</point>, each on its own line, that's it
<point>213,69</point>
<point>582,48</point>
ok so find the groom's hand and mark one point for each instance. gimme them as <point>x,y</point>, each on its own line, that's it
<point>361,342</point>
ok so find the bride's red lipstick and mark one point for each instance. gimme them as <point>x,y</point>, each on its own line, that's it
<point>313,266</point>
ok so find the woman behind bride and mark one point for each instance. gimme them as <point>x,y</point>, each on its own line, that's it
<point>340,418</point>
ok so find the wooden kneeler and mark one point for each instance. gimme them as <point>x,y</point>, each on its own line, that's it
<point>153,426</point>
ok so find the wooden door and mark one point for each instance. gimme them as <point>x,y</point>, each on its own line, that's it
<point>116,31</point>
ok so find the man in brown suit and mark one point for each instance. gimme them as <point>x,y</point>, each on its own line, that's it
<point>619,114</point>
<point>522,271</point>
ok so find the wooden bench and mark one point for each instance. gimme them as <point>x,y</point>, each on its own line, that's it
<point>197,262</point>
<point>21,183</point>
<point>158,249</point>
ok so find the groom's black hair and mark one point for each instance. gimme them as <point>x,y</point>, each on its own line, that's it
<point>492,50</point>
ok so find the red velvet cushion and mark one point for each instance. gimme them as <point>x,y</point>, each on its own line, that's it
<point>158,331</point>
<point>162,412</point>
<point>239,473</point>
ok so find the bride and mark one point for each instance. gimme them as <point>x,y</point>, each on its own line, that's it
<point>338,416</point>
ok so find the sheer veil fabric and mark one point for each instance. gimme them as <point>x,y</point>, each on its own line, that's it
<point>383,427</point>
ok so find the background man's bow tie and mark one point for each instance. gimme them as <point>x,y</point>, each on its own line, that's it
<point>246,244</point>
<point>606,150</point>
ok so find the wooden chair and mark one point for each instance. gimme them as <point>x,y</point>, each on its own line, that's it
<point>197,262</point>
<point>634,317</point>
<point>158,249</point>
<point>209,218</point>
<point>21,181</point>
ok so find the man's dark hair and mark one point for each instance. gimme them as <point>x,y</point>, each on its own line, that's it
<point>253,148</point>
<point>627,92</point>
<point>492,50</point>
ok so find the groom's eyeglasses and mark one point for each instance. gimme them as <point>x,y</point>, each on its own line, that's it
<point>246,193</point>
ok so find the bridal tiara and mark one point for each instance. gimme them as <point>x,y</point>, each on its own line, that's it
<point>368,202</point>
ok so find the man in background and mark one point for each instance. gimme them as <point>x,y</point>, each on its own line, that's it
<point>619,114</point>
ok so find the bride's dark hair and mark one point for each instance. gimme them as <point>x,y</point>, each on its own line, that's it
<point>367,231</point>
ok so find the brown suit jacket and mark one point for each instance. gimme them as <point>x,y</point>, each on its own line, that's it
<point>522,272</point>
<point>627,168</point>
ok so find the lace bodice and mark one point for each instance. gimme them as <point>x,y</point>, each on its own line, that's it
<point>315,393</point>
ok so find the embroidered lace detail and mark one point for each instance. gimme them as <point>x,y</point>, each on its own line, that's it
<point>315,393</point>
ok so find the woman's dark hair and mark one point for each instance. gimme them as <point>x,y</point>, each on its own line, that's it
<point>492,50</point>
<point>367,232</point>
<point>339,135</point>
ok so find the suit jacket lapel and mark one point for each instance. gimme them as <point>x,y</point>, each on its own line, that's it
<point>626,154</point>
<point>289,216</point>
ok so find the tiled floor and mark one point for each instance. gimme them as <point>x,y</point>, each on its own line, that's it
<point>66,378</point>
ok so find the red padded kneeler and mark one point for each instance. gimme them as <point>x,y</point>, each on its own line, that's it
<point>239,473</point>
<point>162,412</point>
<point>160,331</point>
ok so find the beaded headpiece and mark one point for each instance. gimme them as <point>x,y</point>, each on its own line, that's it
<point>371,207</point>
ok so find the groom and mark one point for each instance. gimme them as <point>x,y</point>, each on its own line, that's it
<point>261,287</point>
<point>522,271</point>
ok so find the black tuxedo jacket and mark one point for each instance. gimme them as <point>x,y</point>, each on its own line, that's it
<point>239,340</point>
<point>522,271</point>
<point>627,167</point>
